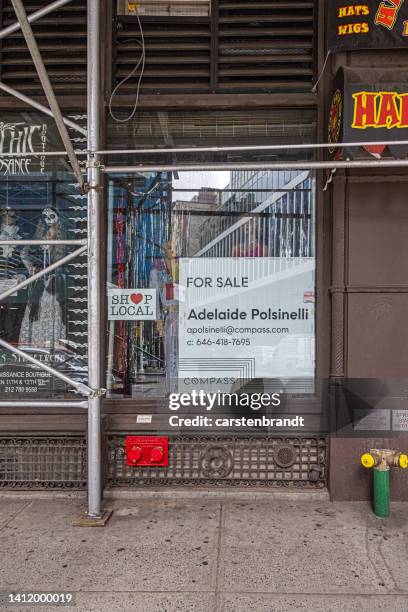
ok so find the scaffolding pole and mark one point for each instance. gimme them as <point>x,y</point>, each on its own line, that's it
<point>195,150</point>
<point>288,165</point>
<point>45,404</point>
<point>94,391</point>
<point>263,147</point>
<point>94,265</point>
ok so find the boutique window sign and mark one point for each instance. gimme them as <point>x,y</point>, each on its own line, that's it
<point>47,318</point>
<point>21,138</point>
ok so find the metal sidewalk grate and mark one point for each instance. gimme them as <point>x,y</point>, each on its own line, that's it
<point>226,461</point>
<point>60,462</point>
<point>42,462</point>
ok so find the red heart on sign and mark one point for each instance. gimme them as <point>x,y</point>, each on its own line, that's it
<point>136,298</point>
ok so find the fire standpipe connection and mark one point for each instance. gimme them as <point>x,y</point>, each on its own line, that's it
<point>381,460</point>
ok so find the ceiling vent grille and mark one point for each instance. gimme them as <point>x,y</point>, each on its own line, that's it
<point>266,45</point>
<point>237,46</point>
<point>177,53</point>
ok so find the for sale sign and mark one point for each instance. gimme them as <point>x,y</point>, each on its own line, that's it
<point>245,318</point>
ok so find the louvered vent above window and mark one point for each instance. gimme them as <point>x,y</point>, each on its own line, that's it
<point>61,36</point>
<point>177,53</point>
<point>242,46</point>
<point>266,45</point>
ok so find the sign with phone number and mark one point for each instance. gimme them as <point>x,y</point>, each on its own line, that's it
<point>247,318</point>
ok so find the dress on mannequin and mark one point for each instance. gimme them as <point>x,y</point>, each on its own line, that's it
<point>43,322</point>
<point>12,271</point>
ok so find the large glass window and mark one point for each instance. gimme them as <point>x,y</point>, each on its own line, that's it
<point>47,318</point>
<point>211,281</point>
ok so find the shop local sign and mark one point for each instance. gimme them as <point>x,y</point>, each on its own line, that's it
<point>132,304</point>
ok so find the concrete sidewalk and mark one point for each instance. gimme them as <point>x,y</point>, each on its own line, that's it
<point>190,554</point>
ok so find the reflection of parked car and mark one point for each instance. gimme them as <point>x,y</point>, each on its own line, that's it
<point>18,376</point>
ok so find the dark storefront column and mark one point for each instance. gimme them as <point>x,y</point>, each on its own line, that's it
<point>369,298</point>
<point>369,334</point>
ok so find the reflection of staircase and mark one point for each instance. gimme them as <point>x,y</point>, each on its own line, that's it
<point>278,202</point>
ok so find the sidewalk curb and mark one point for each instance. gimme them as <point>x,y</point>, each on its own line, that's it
<point>172,493</point>
<point>218,494</point>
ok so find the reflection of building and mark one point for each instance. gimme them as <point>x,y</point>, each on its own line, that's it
<point>190,222</point>
<point>280,207</point>
<point>139,227</point>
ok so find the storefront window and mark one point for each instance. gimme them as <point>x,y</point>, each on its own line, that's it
<point>211,281</point>
<point>47,318</point>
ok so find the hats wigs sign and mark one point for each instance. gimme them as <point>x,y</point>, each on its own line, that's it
<point>369,105</point>
<point>373,24</point>
<point>384,109</point>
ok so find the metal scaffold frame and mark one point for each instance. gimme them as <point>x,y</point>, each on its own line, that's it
<point>92,187</point>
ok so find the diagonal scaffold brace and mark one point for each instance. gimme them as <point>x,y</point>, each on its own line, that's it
<point>81,387</point>
<point>45,10</point>
<point>48,90</point>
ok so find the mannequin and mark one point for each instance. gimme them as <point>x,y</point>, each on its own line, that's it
<point>43,323</point>
<point>12,271</point>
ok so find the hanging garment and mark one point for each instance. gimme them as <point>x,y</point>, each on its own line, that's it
<point>43,323</point>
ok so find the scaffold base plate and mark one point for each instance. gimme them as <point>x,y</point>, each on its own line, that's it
<point>92,521</point>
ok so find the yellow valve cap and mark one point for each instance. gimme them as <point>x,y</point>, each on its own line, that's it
<point>403,461</point>
<point>367,460</point>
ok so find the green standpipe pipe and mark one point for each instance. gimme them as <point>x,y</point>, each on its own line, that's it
<point>382,492</point>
